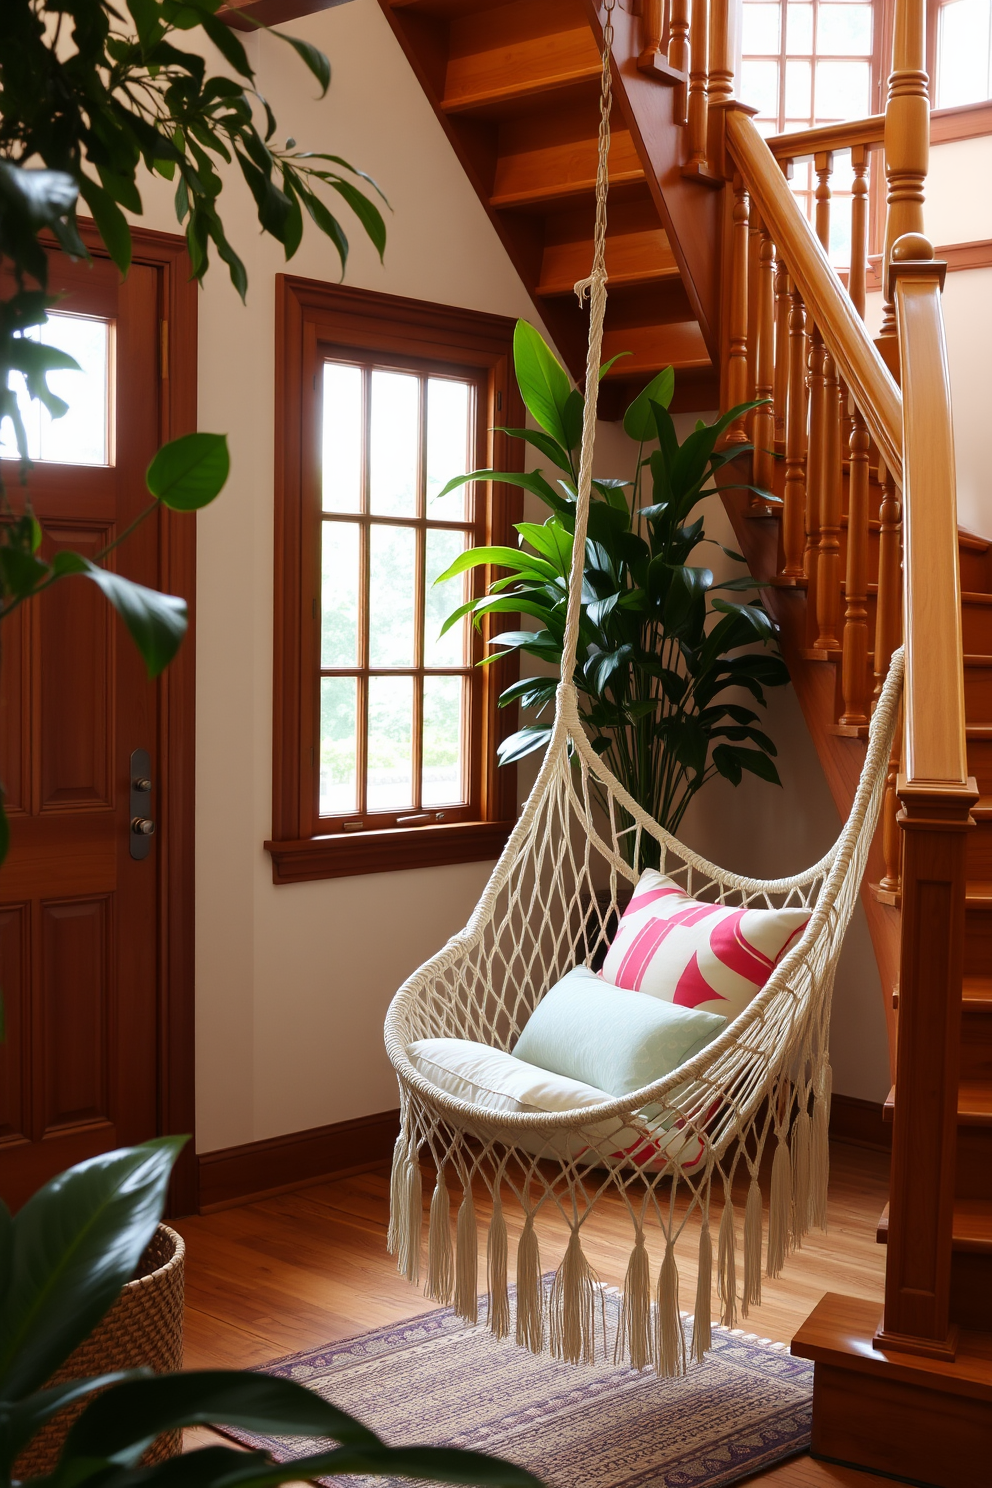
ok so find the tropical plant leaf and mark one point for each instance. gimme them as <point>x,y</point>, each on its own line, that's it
<point>188,473</point>
<point>638,421</point>
<point>156,622</point>
<point>543,383</point>
<point>73,1246</point>
<point>525,741</point>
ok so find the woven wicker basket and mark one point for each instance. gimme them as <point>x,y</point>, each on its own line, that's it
<point>143,1328</point>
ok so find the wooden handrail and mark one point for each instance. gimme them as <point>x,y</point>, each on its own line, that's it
<point>843,136</point>
<point>935,708</point>
<point>870,382</point>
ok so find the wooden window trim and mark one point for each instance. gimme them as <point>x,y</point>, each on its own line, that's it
<point>309,312</point>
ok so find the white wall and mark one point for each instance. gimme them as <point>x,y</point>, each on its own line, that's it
<point>293,982</point>
<point>958,209</point>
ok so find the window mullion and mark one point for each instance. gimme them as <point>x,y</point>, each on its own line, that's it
<point>420,604</point>
<point>364,548</point>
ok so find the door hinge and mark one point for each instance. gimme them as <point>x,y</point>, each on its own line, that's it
<point>164,345</point>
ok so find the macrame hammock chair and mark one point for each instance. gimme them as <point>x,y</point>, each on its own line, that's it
<point>669,1153</point>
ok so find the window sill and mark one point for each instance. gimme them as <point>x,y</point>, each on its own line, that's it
<point>966,121</point>
<point>390,851</point>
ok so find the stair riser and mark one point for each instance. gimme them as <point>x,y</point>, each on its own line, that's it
<point>980,763</point>
<point>976,625</point>
<point>973,1164</point>
<point>978,693</point>
<point>971,1290</point>
<point>976,1046</point>
<point>975,571</point>
<point>978,851</point>
<point>977,942</point>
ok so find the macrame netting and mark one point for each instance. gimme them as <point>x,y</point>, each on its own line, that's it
<point>670,1153</point>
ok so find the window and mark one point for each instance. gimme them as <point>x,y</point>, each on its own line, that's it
<point>82,436</point>
<point>963,70</point>
<point>385,729</point>
<point>811,62</point>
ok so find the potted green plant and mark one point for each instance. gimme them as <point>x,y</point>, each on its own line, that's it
<point>63,1260</point>
<point>663,656</point>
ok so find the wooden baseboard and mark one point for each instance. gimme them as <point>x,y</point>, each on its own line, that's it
<point>860,1123</point>
<point>257,1170</point>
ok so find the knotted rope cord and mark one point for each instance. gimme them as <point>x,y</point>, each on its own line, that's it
<point>595,288</point>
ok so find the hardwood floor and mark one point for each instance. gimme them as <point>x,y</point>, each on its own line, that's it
<point>306,1268</point>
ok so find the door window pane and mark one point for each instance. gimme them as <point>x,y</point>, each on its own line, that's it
<point>449,430</point>
<point>82,435</point>
<point>395,443</point>
<point>339,595</point>
<point>443,747</point>
<point>390,768</point>
<point>342,438</point>
<point>338,745</point>
<point>441,599</point>
<point>392,556</point>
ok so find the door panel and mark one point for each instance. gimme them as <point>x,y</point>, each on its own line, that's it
<point>79,942</point>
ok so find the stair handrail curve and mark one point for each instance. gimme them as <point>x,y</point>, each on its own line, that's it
<point>869,380</point>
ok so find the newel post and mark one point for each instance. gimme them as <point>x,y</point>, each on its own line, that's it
<point>936,795</point>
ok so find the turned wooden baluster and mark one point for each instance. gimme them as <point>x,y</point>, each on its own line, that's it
<point>678,54</point>
<point>698,105</point>
<point>652,30</point>
<point>823,613</point>
<point>783,303</point>
<point>737,352</point>
<point>817,422</point>
<point>888,606</point>
<point>907,146</point>
<point>721,71</point>
<point>763,427</point>
<point>856,683</point>
<point>889,887</point>
<point>794,498</point>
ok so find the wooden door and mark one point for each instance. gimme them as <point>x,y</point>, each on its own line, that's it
<point>82,919</point>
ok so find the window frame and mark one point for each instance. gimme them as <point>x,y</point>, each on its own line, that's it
<point>982,122</point>
<point>312,319</point>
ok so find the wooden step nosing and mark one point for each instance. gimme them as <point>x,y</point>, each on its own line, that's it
<point>468,103</point>
<point>538,194</point>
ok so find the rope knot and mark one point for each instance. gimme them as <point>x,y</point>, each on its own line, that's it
<point>596,280</point>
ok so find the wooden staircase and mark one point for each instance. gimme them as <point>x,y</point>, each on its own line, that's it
<point>713,271</point>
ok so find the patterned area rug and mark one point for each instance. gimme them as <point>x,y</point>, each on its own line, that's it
<point>435,1379</point>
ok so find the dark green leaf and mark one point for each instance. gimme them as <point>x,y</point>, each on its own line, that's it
<point>110,220</point>
<point>638,421</point>
<point>549,447</point>
<point>75,1243</point>
<point>313,57</point>
<point>20,1422</point>
<point>525,741</point>
<point>21,572</point>
<point>189,472</point>
<point>157,622</point>
<point>543,382</point>
<point>367,213</point>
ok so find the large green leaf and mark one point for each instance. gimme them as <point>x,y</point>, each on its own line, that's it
<point>21,1421</point>
<point>189,472</point>
<point>638,421</point>
<point>157,622</point>
<point>74,1245</point>
<point>544,385</point>
<point>121,1423</point>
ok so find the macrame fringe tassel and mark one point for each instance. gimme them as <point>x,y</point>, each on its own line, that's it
<point>752,1249</point>
<point>440,1261</point>
<point>779,1208</point>
<point>702,1322</point>
<point>819,1165</point>
<point>530,1291</point>
<point>499,1296</point>
<point>669,1343</point>
<point>572,1307</point>
<point>802,1141</point>
<point>726,1263</point>
<point>634,1332</point>
<point>406,1213</point>
<point>467,1260</point>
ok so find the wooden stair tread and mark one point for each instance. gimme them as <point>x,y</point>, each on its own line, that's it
<point>564,190</point>
<point>978,893</point>
<point>974,1103</point>
<point>632,278</point>
<point>971,1226</point>
<point>977,993</point>
<point>982,809</point>
<point>840,1332</point>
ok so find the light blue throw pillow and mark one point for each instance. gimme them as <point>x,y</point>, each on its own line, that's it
<point>619,1041</point>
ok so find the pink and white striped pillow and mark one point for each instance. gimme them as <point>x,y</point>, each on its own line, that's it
<point>710,956</point>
